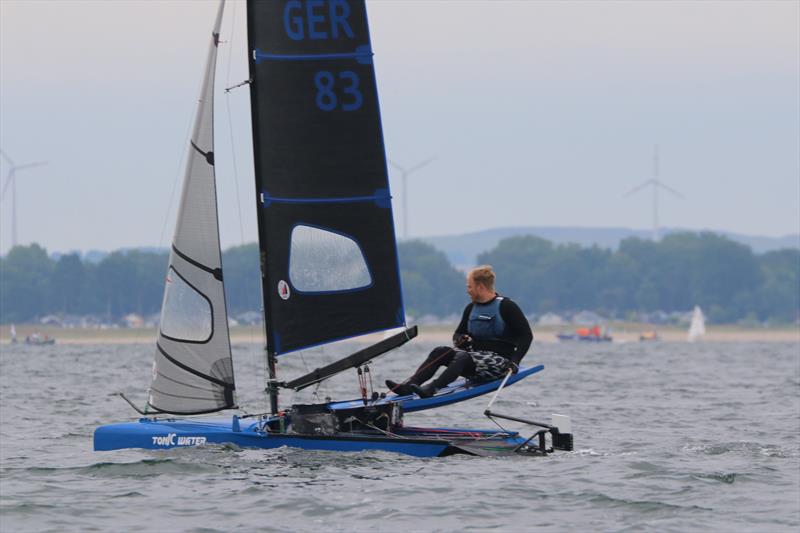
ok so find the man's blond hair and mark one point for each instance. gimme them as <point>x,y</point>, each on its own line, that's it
<point>484,275</point>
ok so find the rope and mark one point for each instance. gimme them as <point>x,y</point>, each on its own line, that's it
<point>369,372</point>
<point>387,433</point>
<point>362,384</point>
<point>178,175</point>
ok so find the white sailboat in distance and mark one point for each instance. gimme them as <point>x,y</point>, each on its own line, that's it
<point>697,329</point>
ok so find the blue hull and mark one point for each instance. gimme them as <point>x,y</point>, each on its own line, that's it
<point>165,434</point>
<point>160,434</point>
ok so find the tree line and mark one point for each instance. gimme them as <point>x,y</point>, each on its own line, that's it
<point>727,279</point>
<point>682,270</point>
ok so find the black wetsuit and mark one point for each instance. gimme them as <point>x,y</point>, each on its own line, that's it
<point>512,346</point>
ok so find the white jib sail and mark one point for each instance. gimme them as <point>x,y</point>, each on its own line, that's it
<point>193,370</point>
<point>698,326</point>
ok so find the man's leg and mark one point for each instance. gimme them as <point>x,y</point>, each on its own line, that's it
<point>440,356</point>
<point>461,365</point>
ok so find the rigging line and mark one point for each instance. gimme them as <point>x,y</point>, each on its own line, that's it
<point>315,393</point>
<point>230,125</point>
<point>181,163</point>
<point>140,411</point>
<point>496,423</point>
<point>234,163</point>
<point>387,433</point>
<point>303,359</point>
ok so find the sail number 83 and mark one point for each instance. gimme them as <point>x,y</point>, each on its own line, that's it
<point>338,90</point>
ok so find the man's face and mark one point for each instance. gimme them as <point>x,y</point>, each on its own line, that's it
<point>472,288</point>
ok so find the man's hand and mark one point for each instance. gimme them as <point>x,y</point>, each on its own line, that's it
<point>514,367</point>
<point>462,341</point>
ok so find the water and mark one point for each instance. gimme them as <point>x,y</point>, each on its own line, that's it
<point>669,437</point>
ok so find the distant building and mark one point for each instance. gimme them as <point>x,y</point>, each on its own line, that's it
<point>51,320</point>
<point>133,321</point>
<point>249,318</point>
<point>551,319</point>
<point>587,318</point>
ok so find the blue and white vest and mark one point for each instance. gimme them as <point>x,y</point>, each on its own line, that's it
<point>485,321</point>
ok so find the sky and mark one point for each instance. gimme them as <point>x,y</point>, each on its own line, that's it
<point>537,114</point>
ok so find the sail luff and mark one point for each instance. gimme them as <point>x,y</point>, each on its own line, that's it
<point>193,369</point>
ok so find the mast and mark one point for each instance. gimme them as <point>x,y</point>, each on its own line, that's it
<point>271,385</point>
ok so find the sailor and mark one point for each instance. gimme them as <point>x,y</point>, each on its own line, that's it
<point>492,337</point>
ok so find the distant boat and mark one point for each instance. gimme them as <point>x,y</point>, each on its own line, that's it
<point>698,327</point>
<point>37,339</point>
<point>593,334</point>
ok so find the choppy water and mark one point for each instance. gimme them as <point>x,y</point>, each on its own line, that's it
<point>669,437</point>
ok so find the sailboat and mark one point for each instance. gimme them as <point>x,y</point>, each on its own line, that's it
<point>697,328</point>
<point>328,261</point>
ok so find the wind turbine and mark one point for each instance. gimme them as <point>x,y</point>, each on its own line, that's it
<point>11,181</point>
<point>656,184</point>
<point>404,173</point>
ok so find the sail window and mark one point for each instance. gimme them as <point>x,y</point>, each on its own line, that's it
<point>186,314</point>
<point>324,261</point>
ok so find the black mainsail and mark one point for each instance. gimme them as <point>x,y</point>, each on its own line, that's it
<point>193,370</point>
<point>328,251</point>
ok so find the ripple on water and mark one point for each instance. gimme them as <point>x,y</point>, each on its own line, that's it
<point>745,448</point>
<point>720,477</point>
<point>671,437</point>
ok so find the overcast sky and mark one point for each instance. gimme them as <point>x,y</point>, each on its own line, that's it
<point>538,113</point>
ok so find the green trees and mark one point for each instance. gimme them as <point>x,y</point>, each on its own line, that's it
<point>430,283</point>
<point>242,278</point>
<point>682,270</point>
<point>779,294</point>
<point>67,283</point>
<point>24,276</point>
<point>688,269</point>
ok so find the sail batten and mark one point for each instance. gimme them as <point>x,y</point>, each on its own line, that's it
<point>193,369</point>
<point>320,165</point>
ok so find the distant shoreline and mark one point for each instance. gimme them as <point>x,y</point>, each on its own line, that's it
<point>621,332</point>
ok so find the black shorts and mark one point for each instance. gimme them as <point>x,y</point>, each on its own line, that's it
<point>489,366</point>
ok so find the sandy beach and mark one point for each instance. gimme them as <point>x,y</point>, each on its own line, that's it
<point>622,332</point>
